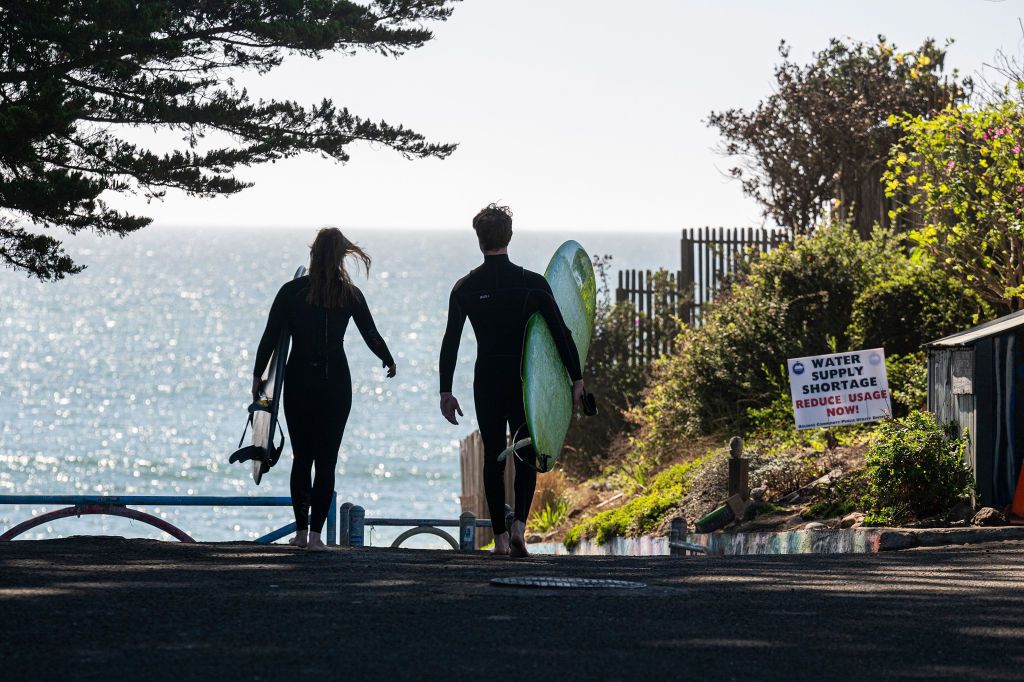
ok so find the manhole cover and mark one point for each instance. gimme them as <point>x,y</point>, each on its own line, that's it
<point>566,583</point>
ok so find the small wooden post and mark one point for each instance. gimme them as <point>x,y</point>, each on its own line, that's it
<point>739,470</point>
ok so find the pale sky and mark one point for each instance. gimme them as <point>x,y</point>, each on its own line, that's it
<point>579,115</point>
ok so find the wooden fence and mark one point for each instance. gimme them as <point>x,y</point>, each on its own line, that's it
<point>652,334</point>
<point>708,257</point>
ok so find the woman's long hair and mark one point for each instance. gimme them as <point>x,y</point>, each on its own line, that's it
<point>330,285</point>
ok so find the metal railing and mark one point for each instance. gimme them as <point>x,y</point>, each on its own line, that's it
<point>118,505</point>
<point>352,518</point>
<point>353,522</point>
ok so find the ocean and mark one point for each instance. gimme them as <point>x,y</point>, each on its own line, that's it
<point>132,377</point>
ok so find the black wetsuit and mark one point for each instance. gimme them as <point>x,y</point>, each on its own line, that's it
<point>318,388</point>
<point>499,298</point>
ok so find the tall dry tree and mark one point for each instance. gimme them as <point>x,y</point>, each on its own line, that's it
<point>823,135</point>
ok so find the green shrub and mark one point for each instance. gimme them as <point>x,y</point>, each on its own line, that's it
<point>916,469</point>
<point>908,382</point>
<point>791,302</point>
<point>616,384</point>
<point>912,305</point>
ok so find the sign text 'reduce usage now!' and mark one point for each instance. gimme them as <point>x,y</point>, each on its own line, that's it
<point>842,388</point>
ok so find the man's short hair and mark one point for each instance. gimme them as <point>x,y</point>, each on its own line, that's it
<point>493,226</point>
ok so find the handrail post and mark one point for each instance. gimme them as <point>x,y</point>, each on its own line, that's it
<point>467,531</point>
<point>677,533</point>
<point>343,523</point>
<point>332,520</point>
<point>356,522</point>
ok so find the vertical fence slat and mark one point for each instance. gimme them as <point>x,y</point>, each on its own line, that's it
<point>708,257</point>
<point>651,332</point>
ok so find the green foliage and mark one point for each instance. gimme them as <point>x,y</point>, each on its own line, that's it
<point>961,176</point>
<point>643,513</point>
<point>916,469</point>
<point>76,75</point>
<point>763,508</point>
<point>911,305</point>
<point>828,292</point>
<point>821,135</point>
<point>617,383</point>
<point>791,302</point>
<point>551,516</point>
<point>886,516</point>
<point>908,382</point>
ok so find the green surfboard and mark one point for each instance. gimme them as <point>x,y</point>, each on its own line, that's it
<point>547,389</point>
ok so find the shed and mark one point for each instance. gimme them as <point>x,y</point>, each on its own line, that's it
<point>976,379</point>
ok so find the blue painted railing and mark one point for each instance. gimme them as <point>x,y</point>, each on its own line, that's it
<point>349,519</point>
<point>118,505</point>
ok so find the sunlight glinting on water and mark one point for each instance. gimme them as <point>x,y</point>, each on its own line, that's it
<point>132,377</point>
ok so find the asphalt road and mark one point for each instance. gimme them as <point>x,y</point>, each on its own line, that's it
<point>115,609</point>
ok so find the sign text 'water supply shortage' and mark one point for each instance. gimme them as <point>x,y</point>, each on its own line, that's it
<point>842,388</point>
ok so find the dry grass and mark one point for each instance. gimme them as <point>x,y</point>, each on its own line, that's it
<point>551,487</point>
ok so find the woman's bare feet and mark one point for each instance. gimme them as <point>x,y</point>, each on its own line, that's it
<point>315,544</point>
<point>300,539</point>
<point>517,542</point>
<point>500,544</point>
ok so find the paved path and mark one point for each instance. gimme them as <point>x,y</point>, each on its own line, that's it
<point>108,608</point>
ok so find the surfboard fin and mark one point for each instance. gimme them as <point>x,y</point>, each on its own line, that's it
<point>516,447</point>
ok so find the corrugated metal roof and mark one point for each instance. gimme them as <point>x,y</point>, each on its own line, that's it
<point>990,328</point>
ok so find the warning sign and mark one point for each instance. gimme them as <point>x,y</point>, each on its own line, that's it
<point>842,388</point>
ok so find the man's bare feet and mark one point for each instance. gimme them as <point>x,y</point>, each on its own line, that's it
<point>517,542</point>
<point>299,540</point>
<point>315,543</point>
<point>500,545</point>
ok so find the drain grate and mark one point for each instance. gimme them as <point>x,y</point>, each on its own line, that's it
<point>566,583</point>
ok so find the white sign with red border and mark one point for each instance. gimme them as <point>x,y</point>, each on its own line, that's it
<point>839,389</point>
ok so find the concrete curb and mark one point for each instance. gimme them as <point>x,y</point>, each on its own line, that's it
<point>823,541</point>
<point>891,539</point>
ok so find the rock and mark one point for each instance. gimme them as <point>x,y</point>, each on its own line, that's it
<point>895,540</point>
<point>815,525</point>
<point>757,494</point>
<point>852,520</point>
<point>987,516</point>
<point>961,511</point>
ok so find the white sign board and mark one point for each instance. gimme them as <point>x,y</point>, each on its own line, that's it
<point>842,388</point>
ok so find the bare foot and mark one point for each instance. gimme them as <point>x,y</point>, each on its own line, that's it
<point>500,545</point>
<point>517,543</point>
<point>315,544</point>
<point>299,540</point>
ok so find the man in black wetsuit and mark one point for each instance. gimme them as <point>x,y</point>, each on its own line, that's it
<point>499,298</point>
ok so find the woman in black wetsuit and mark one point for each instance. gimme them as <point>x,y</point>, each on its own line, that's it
<point>315,309</point>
